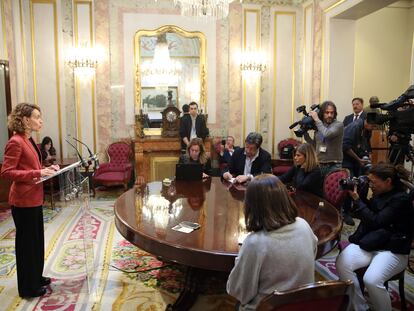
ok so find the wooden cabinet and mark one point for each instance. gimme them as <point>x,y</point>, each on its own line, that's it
<point>379,145</point>
<point>156,156</point>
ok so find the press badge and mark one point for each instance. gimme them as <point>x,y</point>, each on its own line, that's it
<point>322,149</point>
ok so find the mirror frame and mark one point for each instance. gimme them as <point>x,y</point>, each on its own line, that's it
<point>202,68</point>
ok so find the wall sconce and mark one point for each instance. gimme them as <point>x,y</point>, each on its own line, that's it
<point>252,64</point>
<point>83,60</point>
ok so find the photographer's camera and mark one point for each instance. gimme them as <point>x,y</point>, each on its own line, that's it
<point>350,183</point>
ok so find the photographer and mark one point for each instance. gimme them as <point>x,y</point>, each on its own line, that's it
<point>327,138</point>
<point>383,238</point>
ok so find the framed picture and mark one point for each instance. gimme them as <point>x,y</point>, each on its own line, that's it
<point>154,99</point>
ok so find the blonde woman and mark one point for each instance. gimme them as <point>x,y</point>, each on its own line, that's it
<point>305,174</point>
<point>197,154</point>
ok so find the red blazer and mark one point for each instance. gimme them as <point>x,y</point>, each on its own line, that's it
<point>21,165</point>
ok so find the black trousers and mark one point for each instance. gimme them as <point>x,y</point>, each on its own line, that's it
<point>30,247</point>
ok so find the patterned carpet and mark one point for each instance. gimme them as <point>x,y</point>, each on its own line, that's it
<point>125,277</point>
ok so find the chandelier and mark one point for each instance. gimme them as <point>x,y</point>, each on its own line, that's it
<point>161,71</point>
<point>215,9</point>
<point>252,63</point>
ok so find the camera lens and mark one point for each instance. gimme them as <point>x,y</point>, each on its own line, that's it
<point>347,184</point>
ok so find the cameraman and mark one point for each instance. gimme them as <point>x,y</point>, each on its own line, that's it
<point>327,138</point>
<point>355,146</point>
<point>382,240</point>
<point>355,149</point>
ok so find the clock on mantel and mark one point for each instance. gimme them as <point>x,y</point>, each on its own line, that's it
<point>170,119</point>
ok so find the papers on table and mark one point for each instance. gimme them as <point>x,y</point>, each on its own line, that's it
<point>186,226</point>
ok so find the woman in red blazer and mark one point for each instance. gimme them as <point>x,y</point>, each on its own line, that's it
<point>22,165</point>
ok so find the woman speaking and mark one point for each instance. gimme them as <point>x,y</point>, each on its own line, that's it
<point>22,165</point>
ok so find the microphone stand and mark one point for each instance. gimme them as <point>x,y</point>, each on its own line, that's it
<point>83,162</point>
<point>92,156</point>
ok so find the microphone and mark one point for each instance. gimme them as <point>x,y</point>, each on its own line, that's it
<point>93,157</point>
<point>83,162</point>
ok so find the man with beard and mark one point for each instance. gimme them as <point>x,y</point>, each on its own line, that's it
<point>327,138</point>
<point>249,161</point>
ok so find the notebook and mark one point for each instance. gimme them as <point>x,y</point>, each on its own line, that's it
<point>188,171</point>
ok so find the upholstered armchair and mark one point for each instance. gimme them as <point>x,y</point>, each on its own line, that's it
<point>283,164</point>
<point>118,170</point>
<point>331,189</point>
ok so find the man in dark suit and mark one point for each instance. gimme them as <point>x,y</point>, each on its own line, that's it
<point>359,113</point>
<point>192,125</point>
<point>249,161</point>
<point>227,149</point>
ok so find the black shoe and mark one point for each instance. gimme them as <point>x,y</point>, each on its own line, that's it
<point>45,281</point>
<point>348,219</point>
<point>37,293</point>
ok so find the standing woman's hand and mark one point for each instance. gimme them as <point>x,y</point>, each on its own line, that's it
<point>47,171</point>
<point>55,167</point>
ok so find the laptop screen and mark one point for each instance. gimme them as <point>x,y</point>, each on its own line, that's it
<point>188,171</point>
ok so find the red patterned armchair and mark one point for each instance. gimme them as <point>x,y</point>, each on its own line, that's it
<point>332,192</point>
<point>118,170</point>
<point>282,165</point>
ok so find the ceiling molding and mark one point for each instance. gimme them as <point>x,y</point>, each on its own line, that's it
<point>275,2</point>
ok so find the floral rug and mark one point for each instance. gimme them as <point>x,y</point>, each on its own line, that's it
<point>123,277</point>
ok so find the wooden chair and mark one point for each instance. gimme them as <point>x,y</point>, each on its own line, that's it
<point>325,295</point>
<point>397,277</point>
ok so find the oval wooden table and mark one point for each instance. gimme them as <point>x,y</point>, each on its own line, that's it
<point>146,215</point>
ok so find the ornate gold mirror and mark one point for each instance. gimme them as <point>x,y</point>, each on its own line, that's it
<point>168,58</point>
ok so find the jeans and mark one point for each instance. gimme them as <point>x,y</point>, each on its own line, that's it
<point>382,265</point>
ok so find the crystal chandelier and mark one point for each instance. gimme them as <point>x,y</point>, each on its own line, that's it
<point>216,9</point>
<point>161,71</point>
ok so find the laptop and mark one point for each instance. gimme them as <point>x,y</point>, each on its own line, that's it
<point>188,171</point>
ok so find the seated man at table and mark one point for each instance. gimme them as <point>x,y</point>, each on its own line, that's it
<point>249,161</point>
<point>279,252</point>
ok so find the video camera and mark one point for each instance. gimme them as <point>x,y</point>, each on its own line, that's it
<point>399,113</point>
<point>306,123</point>
<point>399,118</point>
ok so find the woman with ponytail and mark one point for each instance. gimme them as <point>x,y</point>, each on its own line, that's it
<point>382,240</point>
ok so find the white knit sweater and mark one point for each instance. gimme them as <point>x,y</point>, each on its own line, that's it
<point>281,259</point>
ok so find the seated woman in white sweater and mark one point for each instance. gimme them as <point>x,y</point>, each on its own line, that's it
<point>279,252</point>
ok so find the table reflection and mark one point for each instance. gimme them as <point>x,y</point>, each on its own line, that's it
<point>146,215</point>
